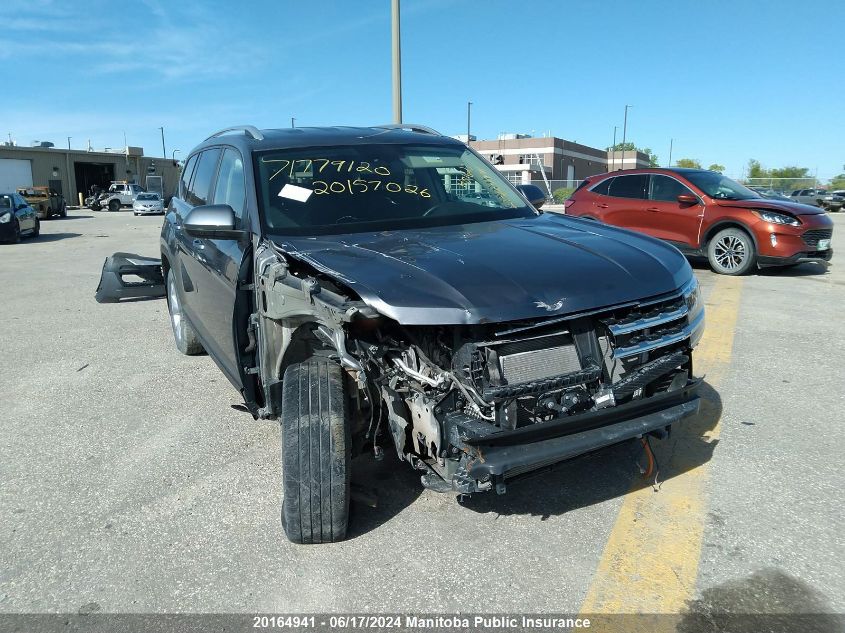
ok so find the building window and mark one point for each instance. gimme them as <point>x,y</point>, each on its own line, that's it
<point>514,177</point>
<point>534,160</point>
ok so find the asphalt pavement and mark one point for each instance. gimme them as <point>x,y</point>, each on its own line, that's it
<point>131,482</point>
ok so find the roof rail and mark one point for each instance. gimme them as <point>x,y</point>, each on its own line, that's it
<point>250,130</point>
<point>413,127</point>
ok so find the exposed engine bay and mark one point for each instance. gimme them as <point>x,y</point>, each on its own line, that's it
<point>471,405</point>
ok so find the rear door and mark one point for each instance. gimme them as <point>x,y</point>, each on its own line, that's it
<point>626,202</point>
<point>669,219</point>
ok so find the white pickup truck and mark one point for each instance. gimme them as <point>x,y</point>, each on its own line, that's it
<point>120,194</point>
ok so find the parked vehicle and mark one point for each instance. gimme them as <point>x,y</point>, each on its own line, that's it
<point>45,201</point>
<point>704,213</point>
<point>832,200</point>
<point>807,196</point>
<point>344,285</point>
<point>120,194</point>
<point>771,194</point>
<point>147,203</point>
<point>17,218</point>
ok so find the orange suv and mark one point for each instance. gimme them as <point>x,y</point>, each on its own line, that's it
<point>705,214</point>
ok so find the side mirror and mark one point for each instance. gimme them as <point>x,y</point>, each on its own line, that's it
<point>213,221</point>
<point>687,199</point>
<point>534,195</point>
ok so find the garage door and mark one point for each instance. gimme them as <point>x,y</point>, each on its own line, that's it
<point>14,173</point>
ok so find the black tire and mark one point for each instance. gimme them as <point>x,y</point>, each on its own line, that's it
<point>37,230</point>
<point>114,205</point>
<point>731,252</point>
<point>315,452</point>
<point>16,232</point>
<point>63,212</point>
<point>184,333</point>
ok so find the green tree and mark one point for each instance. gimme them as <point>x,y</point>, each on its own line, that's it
<point>717,167</point>
<point>562,194</point>
<point>837,182</point>
<point>755,169</point>
<point>688,162</point>
<point>630,147</point>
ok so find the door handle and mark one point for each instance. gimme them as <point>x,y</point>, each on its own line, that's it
<point>602,206</point>
<point>655,209</point>
<point>198,244</point>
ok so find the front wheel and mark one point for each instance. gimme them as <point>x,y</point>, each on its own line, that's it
<point>16,232</point>
<point>114,205</point>
<point>316,454</point>
<point>37,230</point>
<point>63,212</point>
<point>731,252</point>
<point>184,334</point>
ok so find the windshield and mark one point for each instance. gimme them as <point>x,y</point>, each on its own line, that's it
<point>147,196</point>
<point>323,190</point>
<point>720,187</point>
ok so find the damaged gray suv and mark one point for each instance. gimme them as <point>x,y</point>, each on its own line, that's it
<point>386,285</point>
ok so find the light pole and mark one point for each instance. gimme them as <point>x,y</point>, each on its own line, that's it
<point>397,63</point>
<point>613,149</point>
<point>163,150</point>
<point>292,119</point>
<point>173,155</point>
<point>68,142</point>
<point>671,143</point>
<point>469,106</point>
<point>624,137</point>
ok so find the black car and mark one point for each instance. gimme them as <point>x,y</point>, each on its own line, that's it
<point>17,218</point>
<point>386,285</point>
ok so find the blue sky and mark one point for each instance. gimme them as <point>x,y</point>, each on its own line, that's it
<point>728,81</point>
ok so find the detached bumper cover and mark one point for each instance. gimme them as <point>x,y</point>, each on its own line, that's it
<point>514,452</point>
<point>114,286</point>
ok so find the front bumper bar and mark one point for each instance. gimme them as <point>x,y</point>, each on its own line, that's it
<point>114,285</point>
<point>512,453</point>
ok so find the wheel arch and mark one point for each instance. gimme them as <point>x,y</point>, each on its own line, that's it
<point>727,224</point>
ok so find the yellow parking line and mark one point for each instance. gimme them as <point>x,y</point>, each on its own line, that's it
<point>650,561</point>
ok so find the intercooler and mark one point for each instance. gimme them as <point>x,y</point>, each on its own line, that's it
<point>537,358</point>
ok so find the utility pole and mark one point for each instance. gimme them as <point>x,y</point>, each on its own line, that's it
<point>613,149</point>
<point>469,105</point>
<point>625,136</point>
<point>671,142</point>
<point>68,142</point>
<point>292,119</point>
<point>397,63</point>
<point>163,150</point>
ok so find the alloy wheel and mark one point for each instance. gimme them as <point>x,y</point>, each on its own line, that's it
<point>730,252</point>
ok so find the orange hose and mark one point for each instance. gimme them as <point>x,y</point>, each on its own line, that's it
<point>650,455</point>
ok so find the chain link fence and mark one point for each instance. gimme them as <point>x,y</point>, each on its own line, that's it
<point>781,185</point>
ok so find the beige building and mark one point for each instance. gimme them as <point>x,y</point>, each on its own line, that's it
<point>71,172</point>
<point>523,158</point>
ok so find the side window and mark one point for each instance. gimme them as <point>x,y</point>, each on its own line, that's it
<point>666,189</point>
<point>201,182</point>
<point>603,187</point>
<point>187,171</point>
<point>230,188</point>
<point>632,186</point>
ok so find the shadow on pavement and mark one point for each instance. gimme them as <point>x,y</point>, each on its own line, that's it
<point>800,270</point>
<point>609,472</point>
<point>392,484</point>
<point>53,237</point>
<point>72,217</point>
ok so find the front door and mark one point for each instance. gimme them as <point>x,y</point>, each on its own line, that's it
<point>668,219</point>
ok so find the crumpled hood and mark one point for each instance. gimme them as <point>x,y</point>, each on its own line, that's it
<point>495,271</point>
<point>795,208</point>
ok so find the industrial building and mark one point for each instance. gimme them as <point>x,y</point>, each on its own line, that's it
<point>524,158</point>
<point>73,172</point>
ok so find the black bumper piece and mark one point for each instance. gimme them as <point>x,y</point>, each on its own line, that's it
<point>114,286</point>
<point>515,452</point>
<point>818,257</point>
